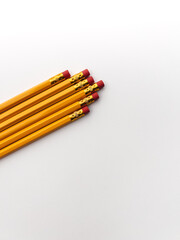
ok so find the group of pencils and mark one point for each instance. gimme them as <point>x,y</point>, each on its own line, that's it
<point>44,108</point>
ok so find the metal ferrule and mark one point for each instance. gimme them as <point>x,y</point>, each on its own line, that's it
<point>86,101</point>
<point>90,89</point>
<point>81,84</point>
<point>76,78</point>
<point>56,79</point>
<point>76,115</point>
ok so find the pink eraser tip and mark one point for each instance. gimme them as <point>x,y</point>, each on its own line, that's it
<point>95,96</point>
<point>85,110</point>
<point>66,74</point>
<point>90,80</point>
<point>100,84</point>
<point>86,73</point>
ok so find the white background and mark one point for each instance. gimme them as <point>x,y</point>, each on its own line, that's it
<point>115,174</point>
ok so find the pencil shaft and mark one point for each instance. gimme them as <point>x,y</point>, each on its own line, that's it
<point>44,113</point>
<point>41,96</point>
<point>42,132</point>
<point>42,105</point>
<point>38,125</point>
<point>31,92</point>
<point>34,136</point>
<point>48,111</point>
<point>48,120</point>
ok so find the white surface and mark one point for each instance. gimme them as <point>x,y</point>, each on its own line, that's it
<point>114,174</point>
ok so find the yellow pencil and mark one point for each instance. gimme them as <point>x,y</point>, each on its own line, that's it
<point>33,91</point>
<point>43,131</point>
<point>44,95</point>
<point>48,120</point>
<point>50,110</point>
<point>44,104</point>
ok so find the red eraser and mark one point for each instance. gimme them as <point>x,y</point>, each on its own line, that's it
<point>100,84</point>
<point>90,80</point>
<point>66,74</point>
<point>86,73</point>
<point>95,96</point>
<point>85,110</point>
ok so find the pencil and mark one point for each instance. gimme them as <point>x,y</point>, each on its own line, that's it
<point>33,91</point>
<point>48,120</point>
<point>44,131</point>
<point>44,95</point>
<point>44,104</point>
<point>50,110</point>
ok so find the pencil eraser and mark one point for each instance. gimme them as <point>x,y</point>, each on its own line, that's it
<point>66,74</point>
<point>100,84</point>
<point>86,73</point>
<point>85,110</point>
<point>95,96</point>
<point>90,80</point>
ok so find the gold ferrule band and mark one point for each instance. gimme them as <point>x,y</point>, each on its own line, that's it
<point>56,79</point>
<point>76,77</point>
<point>86,101</point>
<point>76,115</point>
<point>81,84</point>
<point>90,89</point>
